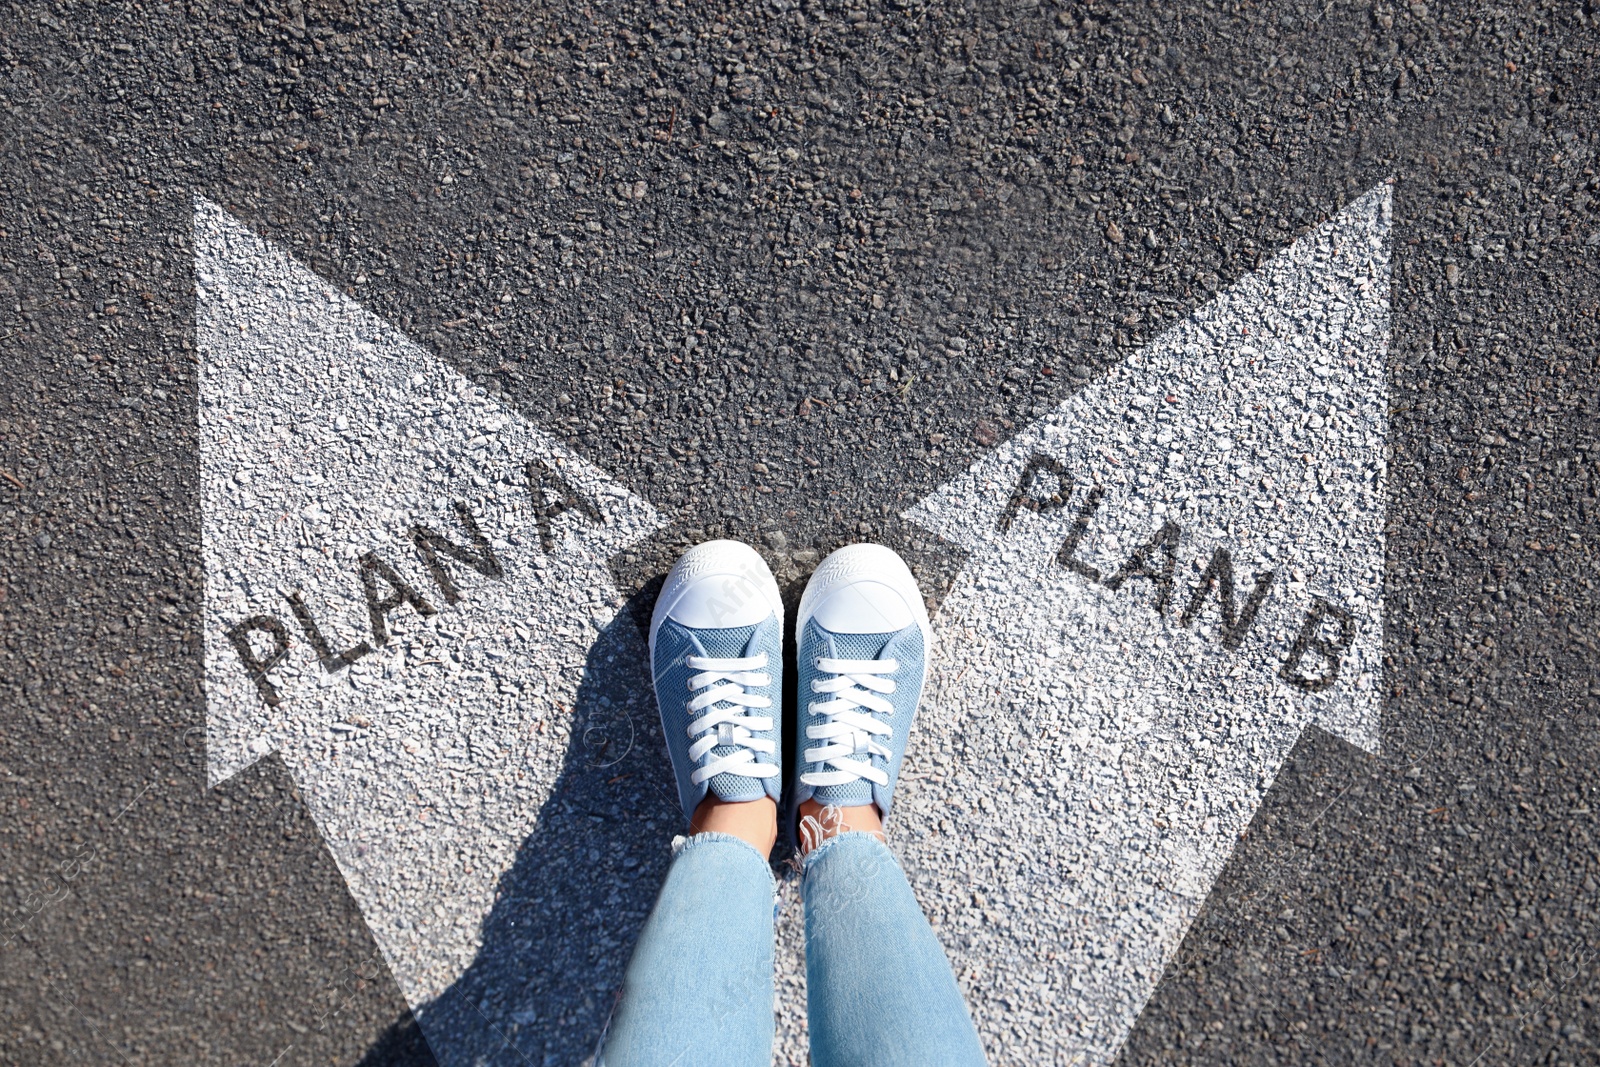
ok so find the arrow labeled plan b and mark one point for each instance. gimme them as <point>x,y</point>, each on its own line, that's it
<point>402,581</point>
<point>1170,577</point>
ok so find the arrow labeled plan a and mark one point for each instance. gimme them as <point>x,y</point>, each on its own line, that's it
<point>402,581</point>
<point>1170,577</point>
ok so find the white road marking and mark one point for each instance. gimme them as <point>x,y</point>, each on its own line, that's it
<point>328,441</point>
<point>1103,741</point>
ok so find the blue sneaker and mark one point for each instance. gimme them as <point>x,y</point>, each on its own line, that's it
<point>862,644</point>
<point>716,655</point>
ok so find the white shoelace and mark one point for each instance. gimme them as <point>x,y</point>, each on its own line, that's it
<point>851,727</point>
<point>721,684</point>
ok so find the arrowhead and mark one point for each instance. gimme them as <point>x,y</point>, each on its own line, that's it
<point>1257,424</point>
<point>327,433</point>
<point>1169,577</point>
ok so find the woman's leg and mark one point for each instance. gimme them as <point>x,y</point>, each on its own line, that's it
<point>698,990</point>
<point>880,989</point>
<point>699,987</point>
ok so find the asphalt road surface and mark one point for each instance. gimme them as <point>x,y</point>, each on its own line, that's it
<point>783,271</point>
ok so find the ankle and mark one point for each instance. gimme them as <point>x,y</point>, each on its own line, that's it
<point>752,821</point>
<point>820,822</point>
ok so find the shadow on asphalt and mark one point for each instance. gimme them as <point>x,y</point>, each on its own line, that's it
<point>569,910</point>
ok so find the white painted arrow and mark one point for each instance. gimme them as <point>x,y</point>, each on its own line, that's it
<point>1114,712</point>
<point>448,558</point>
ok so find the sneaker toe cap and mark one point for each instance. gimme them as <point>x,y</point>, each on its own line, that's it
<point>864,607</point>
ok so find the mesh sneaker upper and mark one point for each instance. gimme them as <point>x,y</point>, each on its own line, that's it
<point>907,649</point>
<point>674,644</point>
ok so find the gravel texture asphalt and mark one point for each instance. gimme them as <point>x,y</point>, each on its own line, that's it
<point>782,270</point>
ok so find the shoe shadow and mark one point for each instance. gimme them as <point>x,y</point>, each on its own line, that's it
<point>569,910</point>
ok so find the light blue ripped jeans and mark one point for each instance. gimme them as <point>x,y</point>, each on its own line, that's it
<point>699,990</point>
